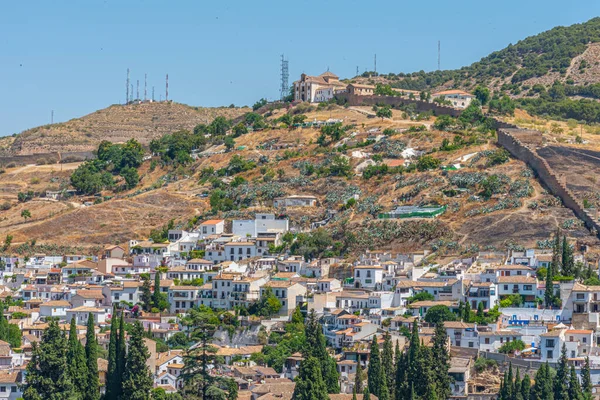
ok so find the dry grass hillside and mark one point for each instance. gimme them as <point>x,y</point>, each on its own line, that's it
<point>116,123</point>
<point>519,212</point>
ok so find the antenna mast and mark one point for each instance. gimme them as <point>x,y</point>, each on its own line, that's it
<point>284,78</point>
<point>137,97</point>
<point>375,65</point>
<point>153,94</point>
<point>167,89</point>
<point>52,117</point>
<point>439,53</point>
<point>145,86</point>
<point>127,88</point>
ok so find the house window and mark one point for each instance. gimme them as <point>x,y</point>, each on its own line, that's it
<point>580,296</point>
<point>527,287</point>
<point>3,389</point>
<point>584,340</point>
<point>550,354</point>
<point>505,287</point>
<point>487,340</point>
<point>470,344</point>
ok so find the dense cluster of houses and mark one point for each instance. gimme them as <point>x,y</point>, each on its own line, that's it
<point>227,264</point>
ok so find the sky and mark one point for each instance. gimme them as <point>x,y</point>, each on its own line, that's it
<point>71,56</point>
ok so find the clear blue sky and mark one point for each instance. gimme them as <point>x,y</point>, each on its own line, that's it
<point>71,56</point>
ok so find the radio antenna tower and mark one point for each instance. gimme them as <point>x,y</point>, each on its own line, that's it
<point>284,78</point>
<point>439,54</point>
<point>127,88</point>
<point>167,89</point>
<point>131,94</point>
<point>153,94</point>
<point>137,96</point>
<point>357,73</point>
<point>375,65</point>
<point>145,86</point>
<point>52,117</point>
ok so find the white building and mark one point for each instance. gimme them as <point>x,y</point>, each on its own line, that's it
<point>368,276</point>
<point>211,227</point>
<point>313,88</point>
<point>458,98</point>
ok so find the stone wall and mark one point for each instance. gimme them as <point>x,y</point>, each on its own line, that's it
<point>422,106</point>
<point>507,137</point>
<point>46,158</point>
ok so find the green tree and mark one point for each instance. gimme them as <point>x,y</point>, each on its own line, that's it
<point>268,305</point>
<point>316,346</point>
<point>260,103</point>
<point>568,262</point>
<point>439,314</point>
<point>586,380</point>
<point>441,362</point>
<point>137,379</point>
<point>387,363</point>
<point>383,112</point>
<point>374,373</point>
<point>427,162</point>
<point>146,293</point>
<point>482,94</point>
<point>480,310</point>
<point>525,387</point>
<point>574,386</point>
<point>467,312</point>
<point>229,143</point>
<point>131,177</point>
<point>542,388</point>
<point>309,383</point>
<point>159,299</point>
<point>359,378</point>
<point>121,357</point>
<point>112,380</point>
<point>47,372</point>
<point>76,361</point>
<point>561,381</point>
<point>92,391</point>
<point>25,214</point>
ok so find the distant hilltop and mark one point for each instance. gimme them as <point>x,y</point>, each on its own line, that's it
<point>117,123</point>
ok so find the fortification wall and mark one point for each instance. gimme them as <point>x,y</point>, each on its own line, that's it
<point>46,158</point>
<point>422,106</point>
<point>557,186</point>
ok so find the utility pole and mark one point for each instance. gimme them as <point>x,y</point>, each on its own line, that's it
<point>439,54</point>
<point>127,88</point>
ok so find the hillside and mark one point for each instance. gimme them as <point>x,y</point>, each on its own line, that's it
<point>278,161</point>
<point>556,73</point>
<point>116,123</point>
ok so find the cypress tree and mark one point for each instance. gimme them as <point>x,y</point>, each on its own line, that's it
<point>92,391</point>
<point>586,380</point>
<point>47,372</point>
<point>121,357</point>
<point>316,346</point>
<point>549,290</point>
<point>354,394</point>
<point>384,391</point>
<point>401,377</point>
<point>556,254</point>
<point>111,375</point>
<point>467,311</point>
<point>156,295</point>
<point>508,383</point>
<point>525,387</point>
<point>359,378</point>
<point>441,362</point>
<point>387,363</point>
<point>517,395</point>
<point>366,394</point>
<point>480,310</point>
<point>146,295</point>
<point>424,376</point>
<point>137,379</point>
<point>309,383</point>
<point>374,373</point>
<point>76,361</point>
<point>568,263</point>
<point>543,387</point>
<point>561,381</point>
<point>574,387</point>
<point>412,392</point>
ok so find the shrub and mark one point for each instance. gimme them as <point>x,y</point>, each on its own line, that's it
<point>511,347</point>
